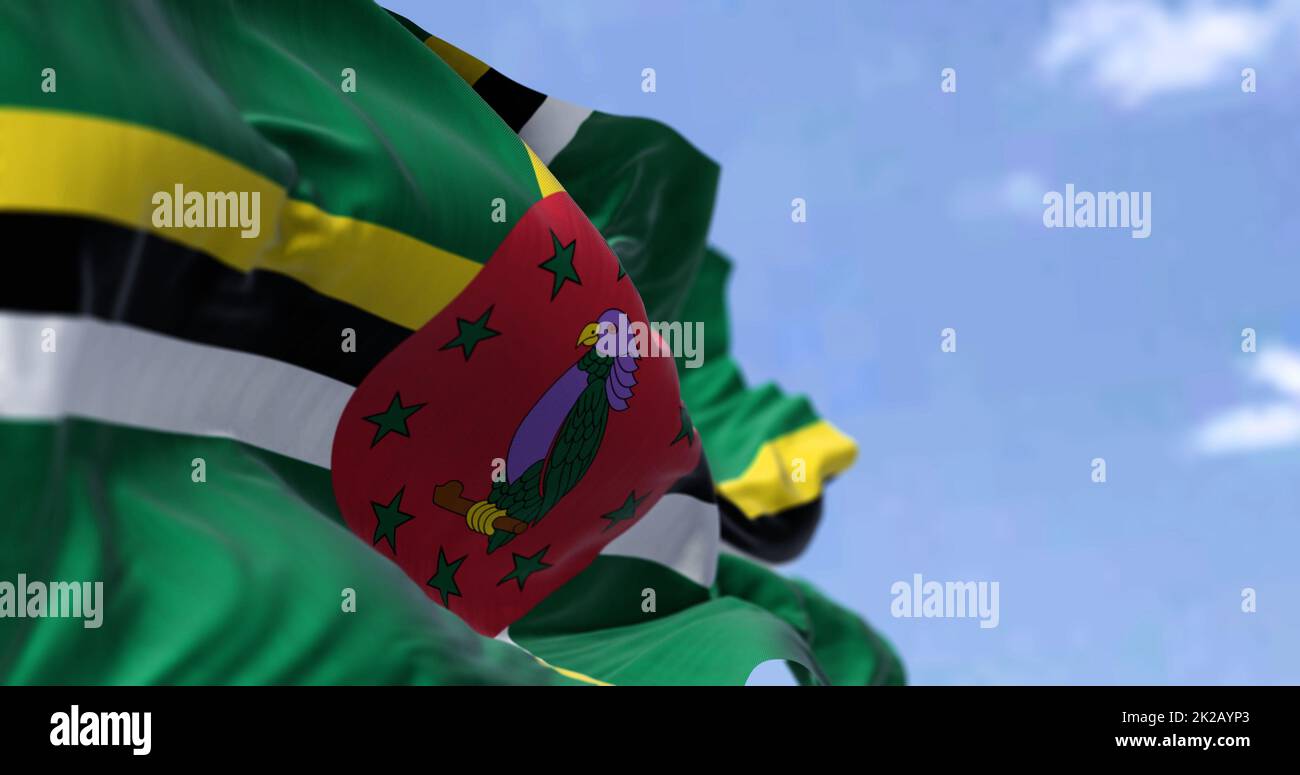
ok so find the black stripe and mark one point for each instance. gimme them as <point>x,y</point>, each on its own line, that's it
<point>114,273</point>
<point>780,537</point>
<point>513,102</point>
<point>419,32</point>
<point>776,537</point>
<point>698,483</point>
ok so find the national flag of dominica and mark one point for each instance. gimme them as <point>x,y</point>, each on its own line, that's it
<point>389,392</point>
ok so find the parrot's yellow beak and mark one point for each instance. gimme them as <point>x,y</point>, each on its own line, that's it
<point>589,336</point>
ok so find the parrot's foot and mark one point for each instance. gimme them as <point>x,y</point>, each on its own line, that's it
<point>482,517</point>
<point>486,518</point>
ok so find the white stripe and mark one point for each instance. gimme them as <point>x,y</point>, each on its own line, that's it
<point>681,532</point>
<point>128,376</point>
<point>118,374</point>
<point>552,126</point>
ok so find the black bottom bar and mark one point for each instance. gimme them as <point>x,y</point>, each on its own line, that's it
<point>547,726</point>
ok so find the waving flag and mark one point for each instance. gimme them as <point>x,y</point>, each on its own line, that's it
<point>311,365</point>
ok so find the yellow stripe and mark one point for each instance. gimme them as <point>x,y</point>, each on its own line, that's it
<point>89,166</point>
<point>546,181</point>
<point>769,486</point>
<point>574,674</point>
<point>466,66</point>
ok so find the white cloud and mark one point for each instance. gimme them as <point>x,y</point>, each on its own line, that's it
<point>1131,50</point>
<point>1279,368</point>
<point>1251,427</point>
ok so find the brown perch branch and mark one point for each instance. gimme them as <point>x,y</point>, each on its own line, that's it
<point>449,496</point>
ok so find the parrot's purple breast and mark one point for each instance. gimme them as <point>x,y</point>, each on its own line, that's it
<point>534,436</point>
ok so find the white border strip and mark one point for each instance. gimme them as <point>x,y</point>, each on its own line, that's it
<point>128,376</point>
<point>552,126</point>
<point>681,532</point>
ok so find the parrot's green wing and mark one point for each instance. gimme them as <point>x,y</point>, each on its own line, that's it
<point>521,499</point>
<point>576,444</point>
<point>575,447</point>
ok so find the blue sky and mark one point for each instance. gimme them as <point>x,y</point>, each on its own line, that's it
<point>924,212</point>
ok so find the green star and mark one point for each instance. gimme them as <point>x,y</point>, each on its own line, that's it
<point>525,567</point>
<point>561,265</point>
<point>687,432</point>
<point>624,512</point>
<point>445,579</point>
<point>390,518</point>
<point>393,419</point>
<point>471,333</point>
